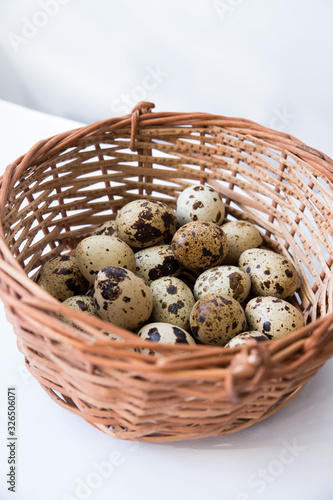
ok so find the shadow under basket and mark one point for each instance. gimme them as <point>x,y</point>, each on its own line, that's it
<point>65,186</point>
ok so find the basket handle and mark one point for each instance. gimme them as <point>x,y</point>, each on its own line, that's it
<point>139,109</point>
<point>247,370</point>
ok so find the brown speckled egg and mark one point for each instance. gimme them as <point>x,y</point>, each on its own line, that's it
<point>82,303</point>
<point>243,338</point>
<point>215,319</point>
<point>143,223</point>
<point>122,298</point>
<point>172,302</point>
<point>156,262</point>
<point>95,252</point>
<point>271,274</point>
<point>108,228</point>
<point>164,333</point>
<point>62,278</point>
<point>241,236</point>
<point>274,317</point>
<point>228,280</point>
<point>200,245</point>
<point>199,203</point>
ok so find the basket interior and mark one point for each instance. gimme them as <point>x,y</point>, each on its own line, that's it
<point>65,193</point>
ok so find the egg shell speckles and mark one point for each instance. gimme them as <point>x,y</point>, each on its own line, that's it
<point>274,317</point>
<point>271,274</point>
<point>172,302</point>
<point>245,337</point>
<point>164,333</point>
<point>108,228</point>
<point>62,278</point>
<point>96,252</point>
<point>156,262</point>
<point>199,203</point>
<point>226,280</point>
<point>122,298</point>
<point>200,245</point>
<point>215,319</point>
<point>82,303</point>
<point>143,223</point>
<point>241,236</point>
<point>168,238</point>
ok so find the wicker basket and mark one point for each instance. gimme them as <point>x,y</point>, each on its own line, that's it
<point>64,186</point>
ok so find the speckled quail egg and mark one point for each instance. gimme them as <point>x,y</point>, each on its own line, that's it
<point>82,303</point>
<point>200,245</point>
<point>243,338</point>
<point>228,280</point>
<point>241,236</point>
<point>274,317</point>
<point>122,298</point>
<point>95,252</point>
<point>108,228</point>
<point>271,274</point>
<point>199,203</point>
<point>143,223</point>
<point>215,319</point>
<point>62,278</point>
<point>156,262</point>
<point>172,302</point>
<point>85,304</point>
<point>164,333</point>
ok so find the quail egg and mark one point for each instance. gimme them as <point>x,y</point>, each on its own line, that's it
<point>215,319</point>
<point>143,223</point>
<point>122,298</point>
<point>85,304</point>
<point>108,228</point>
<point>164,333</point>
<point>200,245</point>
<point>95,252</point>
<point>62,278</point>
<point>243,338</point>
<point>271,274</point>
<point>200,203</point>
<point>172,302</point>
<point>241,236</point>
<point>82,303</point>
<point>156,262</point>
<point>274,317</point>
<point>228,280</point>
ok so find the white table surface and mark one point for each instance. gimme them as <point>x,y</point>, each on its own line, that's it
<point>61,457</point>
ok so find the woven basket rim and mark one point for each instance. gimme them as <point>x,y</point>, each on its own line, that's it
<point>144,117</point>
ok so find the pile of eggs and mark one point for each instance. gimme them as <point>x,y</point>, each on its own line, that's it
<point>128,272</point>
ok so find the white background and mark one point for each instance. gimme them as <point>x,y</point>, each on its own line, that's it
<point>265,60</point>
<point>269,61</point>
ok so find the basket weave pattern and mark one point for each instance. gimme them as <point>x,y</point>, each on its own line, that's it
<point>65,186</point>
